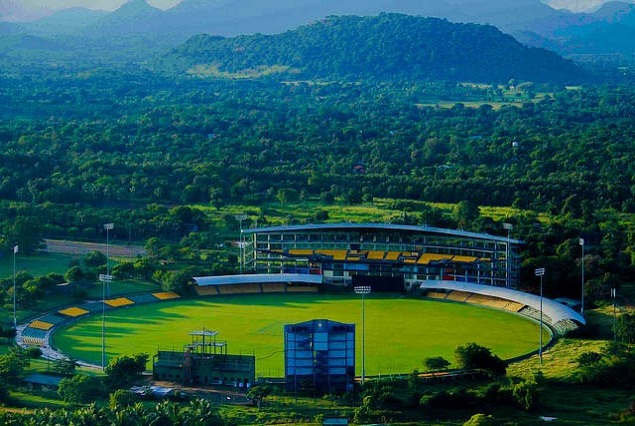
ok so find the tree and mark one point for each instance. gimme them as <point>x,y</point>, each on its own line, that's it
<point>12,365</point>
<point>625,328</point>
<point>74,274</point>
<point>65,367</point>
<point>258,393</point>
<point>95,259</point>
<point>201,412</point>
<point>125,370</point>
<point>475,357</point>
<point>177,281</point>
<point>481,420</point>
<point>287,195</point>
<point>25,231</point>
<point>80,389</point>
<point>466,213</point>
<point>436,363</point>
<point>121,398</point>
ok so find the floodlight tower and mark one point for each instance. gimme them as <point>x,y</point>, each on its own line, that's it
<point>508,227</point>
<point>241,260</point>
<point>105,280</point>
<point>540,272</point>
<point>581,242</point>
<point>15,318</point>
<point>363,290</point>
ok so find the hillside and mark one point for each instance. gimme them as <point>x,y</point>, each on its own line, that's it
<point>387,46</point>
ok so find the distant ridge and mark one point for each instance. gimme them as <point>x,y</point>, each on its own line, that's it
<point>387,46</point>
<point>133,17</point>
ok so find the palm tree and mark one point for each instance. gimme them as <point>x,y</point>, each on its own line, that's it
<point>164,414</point>
<point>200,412</point>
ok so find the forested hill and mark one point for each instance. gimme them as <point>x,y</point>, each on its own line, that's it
<point>387,46</point>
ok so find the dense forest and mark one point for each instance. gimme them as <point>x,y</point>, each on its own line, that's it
<point>143,149</point>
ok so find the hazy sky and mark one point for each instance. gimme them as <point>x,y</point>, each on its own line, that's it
<point>574,5</point>
<point>91,4</point>
<point>577,5</point>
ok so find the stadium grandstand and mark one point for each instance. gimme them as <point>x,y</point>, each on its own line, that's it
<point>559,317</point>
<point>256,284</point>
<point>385,256</point>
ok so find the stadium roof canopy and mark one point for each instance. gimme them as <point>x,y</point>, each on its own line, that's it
<point>555,310</point>
<point>374,227</point>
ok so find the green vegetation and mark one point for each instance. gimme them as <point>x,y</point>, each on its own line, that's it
<point>171,159</point>
<point>254,324</point>
<point>383,47</point>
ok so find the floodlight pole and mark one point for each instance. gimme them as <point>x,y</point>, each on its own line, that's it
<point>363,290</point>
<point>508,227</point>
<point>540,272</point>
<point>105,279</point>
<point>613,295</point>
<point>581,242</point>
<point>241,260</point>
<point>15,318</point>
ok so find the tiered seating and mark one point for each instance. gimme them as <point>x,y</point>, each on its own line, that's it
<point>481,299</point>
<point>513,306</point>
<point>52,318</point>
<point>166,295</point>
<point>375,255</point>
<point>564,326</point>
<point>427,258</point>
<point>410,257</point>
<point>91,307</point>
<point>335,254</point>
<point>273,288</point>
<point>206,290</point>
<point>73,311</point>
<point>119,302</point>
<point>458,296</point>
<point>41,325</point>
<point>356,255</point>
<point>239,289</point>
<point>436,294</point>
<point>535,314</point>
<point>302,289</point>
<point>34,336</point>
<point>392,255</point>
<point>465,259</point>
<point>300,252</point>
<point>143,298</point>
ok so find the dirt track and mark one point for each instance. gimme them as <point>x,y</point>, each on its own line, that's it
<point>77,247</point>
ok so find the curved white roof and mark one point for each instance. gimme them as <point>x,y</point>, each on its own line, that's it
<point>555,310</point>
<point>379,226</point>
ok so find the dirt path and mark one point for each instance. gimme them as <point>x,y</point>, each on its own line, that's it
<point>78,247</point>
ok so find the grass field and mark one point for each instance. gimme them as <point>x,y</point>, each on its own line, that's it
<point>400,332</point>
<point>36,265</point>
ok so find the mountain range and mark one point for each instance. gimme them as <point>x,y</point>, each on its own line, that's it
<point>530,21</point>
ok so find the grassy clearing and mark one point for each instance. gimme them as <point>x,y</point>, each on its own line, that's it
<point>400,332</point>
<point>559,362</point>
<point>122,288</point>
<point>36,265</point>
<point>468,104</point>
<point>212,70</point>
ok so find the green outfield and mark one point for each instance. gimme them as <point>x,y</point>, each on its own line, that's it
<point>400,332</point>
